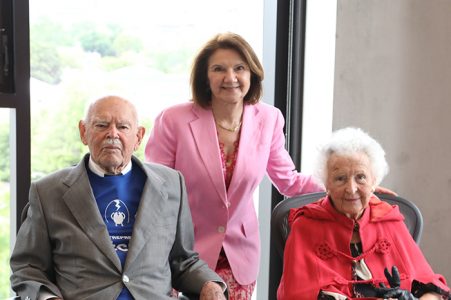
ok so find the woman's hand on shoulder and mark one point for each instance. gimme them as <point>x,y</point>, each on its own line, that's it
<point>383,190</point>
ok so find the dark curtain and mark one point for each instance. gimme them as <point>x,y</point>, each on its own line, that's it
<point>289,87</point>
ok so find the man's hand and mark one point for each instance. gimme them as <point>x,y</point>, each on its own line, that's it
<point>212,291</point>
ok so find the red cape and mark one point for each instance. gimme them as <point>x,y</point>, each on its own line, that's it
<point>317,253</point>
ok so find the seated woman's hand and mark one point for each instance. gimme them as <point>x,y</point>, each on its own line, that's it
<point>394,291</point>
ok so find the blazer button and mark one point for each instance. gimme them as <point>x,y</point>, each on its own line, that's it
<point>221,229</point>
<point>125,279</point>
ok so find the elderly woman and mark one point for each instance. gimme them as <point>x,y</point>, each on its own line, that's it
<point>343,246</point>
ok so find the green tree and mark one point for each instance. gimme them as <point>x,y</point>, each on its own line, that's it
<point>109,40</point>
<point>60,147</point>
<point>45,62</point>
<point>4,242</point>
<point>4,210</point>
<point>102,43</point>
<point>124,43</point>
<point>46,38</point>
<point>172,61</point>
<point>51,32</point>
<point>4,149</point>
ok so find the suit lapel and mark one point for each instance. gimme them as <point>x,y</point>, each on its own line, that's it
<point>80,201</point>
<point>250,137</point>
<point>150,198</point>
<point>206,139</point>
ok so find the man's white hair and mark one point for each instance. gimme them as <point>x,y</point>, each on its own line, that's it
<point>90,104</point>
<point>347,142</point>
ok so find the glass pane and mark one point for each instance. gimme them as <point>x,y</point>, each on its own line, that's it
<point>141,50</point>
<point>4,203</point>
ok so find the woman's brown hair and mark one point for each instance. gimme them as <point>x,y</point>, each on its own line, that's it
<point>200,87</point>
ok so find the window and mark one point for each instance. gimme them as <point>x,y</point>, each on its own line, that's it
<point>5,200</point>
<point>141,50</point>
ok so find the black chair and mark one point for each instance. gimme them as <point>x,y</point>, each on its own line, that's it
<point>280,228</point>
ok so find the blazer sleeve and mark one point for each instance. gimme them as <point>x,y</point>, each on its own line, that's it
<point>189,271</point>
<point>281,168</point>
<point>162,143</point>
<point>31,260</point>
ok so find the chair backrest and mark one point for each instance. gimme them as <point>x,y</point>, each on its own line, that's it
<point>280,229</point>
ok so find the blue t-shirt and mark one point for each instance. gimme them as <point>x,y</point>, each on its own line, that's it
<point>118,198</point>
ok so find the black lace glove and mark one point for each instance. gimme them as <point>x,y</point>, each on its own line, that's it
<point>394,291</point>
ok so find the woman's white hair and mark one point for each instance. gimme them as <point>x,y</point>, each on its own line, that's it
<point>350,141</point>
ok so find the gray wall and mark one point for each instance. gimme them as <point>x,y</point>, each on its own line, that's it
<point>393,79</point>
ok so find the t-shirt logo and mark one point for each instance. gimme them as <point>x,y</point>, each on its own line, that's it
<point>118,218</point>
<point>117,212</point>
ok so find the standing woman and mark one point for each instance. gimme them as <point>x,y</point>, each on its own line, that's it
<point>224,142</point>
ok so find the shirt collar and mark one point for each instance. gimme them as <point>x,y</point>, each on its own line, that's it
<point>96,169</point>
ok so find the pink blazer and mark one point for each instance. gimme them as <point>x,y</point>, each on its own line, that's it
<point>184,137</point>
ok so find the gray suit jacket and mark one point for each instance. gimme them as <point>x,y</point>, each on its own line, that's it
<point>64,246</point>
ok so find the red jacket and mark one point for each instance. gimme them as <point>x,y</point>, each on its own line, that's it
<point>317,253</point>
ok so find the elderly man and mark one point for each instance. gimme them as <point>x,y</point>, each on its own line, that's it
<point>110,227</point>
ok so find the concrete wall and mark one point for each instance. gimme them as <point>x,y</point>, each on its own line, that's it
<point>393,79</point>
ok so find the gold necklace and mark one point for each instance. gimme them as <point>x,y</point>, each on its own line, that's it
<point>233,129</point>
